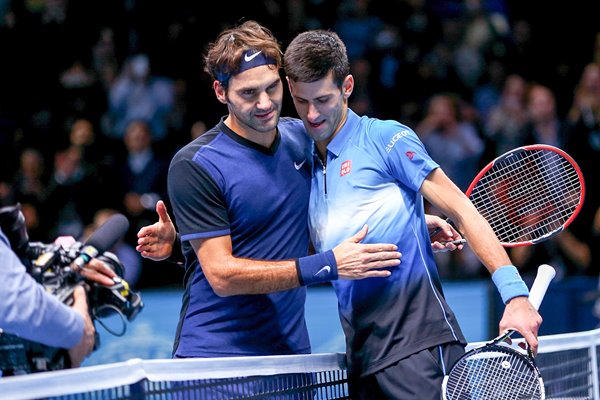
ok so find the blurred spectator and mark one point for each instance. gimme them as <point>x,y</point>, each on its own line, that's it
<point>583,144</point>
<point>437,71</point>
<point>68,192</point>
<point>104,58</point>
<point>6,193</point>
<point>76,190</point>
<point>521,57</point>
<point>455,143</point>
<point>587,95</point>
<point>487,93</point>
<point>357,27</point>
<point>142,182</point>
<point>136,94</point>
<point>507,119</point>
<point>457,147</point>
<point>569,252</point>
<point>29,188</point>
<point>544,124</point>
<point>142,176</point>
<point>484,37</point>
<point>360,101</point>
<point>198,129</point>
<point>31,179</point>
<point>178,122</point>
<point>80,93</point>
<point>33,212</point>
<point>420,26</point>
<point>94,149</point>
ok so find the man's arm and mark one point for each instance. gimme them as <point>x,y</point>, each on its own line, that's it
<point>229,275</point>
<point>439,190</point>
<point>28,311</point>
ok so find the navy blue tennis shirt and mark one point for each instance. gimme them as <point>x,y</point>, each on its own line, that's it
<point>222,184</point>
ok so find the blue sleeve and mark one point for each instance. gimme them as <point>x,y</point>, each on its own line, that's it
<point>403,153</point>
<point>28,311</point>
<point>198,205</point>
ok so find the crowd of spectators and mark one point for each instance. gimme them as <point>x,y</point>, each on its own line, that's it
<point>97,95</point>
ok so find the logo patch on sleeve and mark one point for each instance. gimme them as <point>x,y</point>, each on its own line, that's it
<point>346,167</point>
<point>410,154</point>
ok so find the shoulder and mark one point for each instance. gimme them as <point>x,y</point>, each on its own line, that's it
<point>291,125</point>
<point>387,132</point>
<point>293,129</point>
<point>191,150</point>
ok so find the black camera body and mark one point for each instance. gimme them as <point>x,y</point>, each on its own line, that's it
<point>51,266</point>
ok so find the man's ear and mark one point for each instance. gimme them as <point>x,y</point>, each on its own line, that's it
<point>348,86</point>
<point>220,92</point>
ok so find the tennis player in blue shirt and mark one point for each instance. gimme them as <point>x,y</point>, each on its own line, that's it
<point>401,335</point>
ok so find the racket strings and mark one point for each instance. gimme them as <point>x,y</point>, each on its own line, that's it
<point>525,185</point>
<point>493,375</point>
<point>531,211</point>
<point>541,187</point>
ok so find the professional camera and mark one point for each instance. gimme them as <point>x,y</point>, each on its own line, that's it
<point>55,267</point>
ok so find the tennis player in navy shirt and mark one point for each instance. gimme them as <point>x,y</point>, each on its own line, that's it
<point>401,335</point>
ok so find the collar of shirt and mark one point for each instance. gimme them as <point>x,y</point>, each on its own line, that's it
<point>341,138</point>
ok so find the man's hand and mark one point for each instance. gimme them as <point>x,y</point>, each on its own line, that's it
<point>445,234</point>
<point>155,241</point>
<point>97,271</point>
<point>357,261</point>
<point>521,316</point>
<point>86,345</point>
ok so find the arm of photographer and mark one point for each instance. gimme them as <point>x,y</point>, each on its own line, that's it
<point>28,311</point>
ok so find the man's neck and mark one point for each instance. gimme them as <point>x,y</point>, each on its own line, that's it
<point>322,145</point>
<point>322,151</point>
<point>261,138</point>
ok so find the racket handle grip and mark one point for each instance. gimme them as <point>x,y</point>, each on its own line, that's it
<point>543,278</point>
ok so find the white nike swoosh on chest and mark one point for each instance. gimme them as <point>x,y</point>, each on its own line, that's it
<point>298,166</point>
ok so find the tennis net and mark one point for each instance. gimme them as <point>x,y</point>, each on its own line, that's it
<point>297,377</point>
<point>568,363</point>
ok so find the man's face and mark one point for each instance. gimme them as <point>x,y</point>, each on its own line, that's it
<point>322,105</point>
<point>254,99</point>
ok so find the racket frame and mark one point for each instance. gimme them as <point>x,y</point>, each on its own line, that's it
<point>545,274</point>
<point>496,345</point>
<point>512,153</point>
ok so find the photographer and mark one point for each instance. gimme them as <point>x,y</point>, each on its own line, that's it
<point>29,312</point>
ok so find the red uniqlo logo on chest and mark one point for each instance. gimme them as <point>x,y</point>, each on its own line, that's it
<point>346,167</point>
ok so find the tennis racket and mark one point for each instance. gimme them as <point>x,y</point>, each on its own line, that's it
<point>528,195</point>
<point>497,371</point>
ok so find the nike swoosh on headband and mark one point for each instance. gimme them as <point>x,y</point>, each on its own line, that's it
<point>250,57</point>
